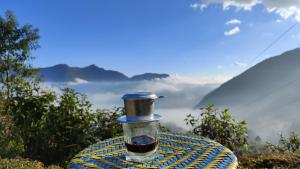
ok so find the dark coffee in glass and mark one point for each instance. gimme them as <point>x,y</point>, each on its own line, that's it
<point>141,140</point>
<point>141,144</point>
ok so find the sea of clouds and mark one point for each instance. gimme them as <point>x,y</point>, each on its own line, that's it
<point>182,94</point>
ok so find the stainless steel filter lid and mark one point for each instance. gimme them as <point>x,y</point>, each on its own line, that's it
<point>139,96</point>
<point>139,107</point>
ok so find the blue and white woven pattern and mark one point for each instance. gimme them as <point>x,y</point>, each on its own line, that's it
<point>175,150</point>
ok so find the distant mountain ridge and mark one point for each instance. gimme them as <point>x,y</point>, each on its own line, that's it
<point>267,95</point>
<point>269,74</point>
<point>92,73</point>
<point>149,76</point>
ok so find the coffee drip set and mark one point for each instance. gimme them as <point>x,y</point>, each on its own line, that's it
<point>140,126</point>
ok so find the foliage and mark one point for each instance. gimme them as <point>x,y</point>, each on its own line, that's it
<point>11,144</point>
<point>53,129</point>
<point>65,127</point>
<point>286,144</point>
<point>220,126</point>
<point>24,164</point>
<point>16,42</point>
<point>273,160</point>
<point>105,123</point>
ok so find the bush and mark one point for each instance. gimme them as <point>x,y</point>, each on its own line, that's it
<point>220,126</point>
<point>11,144</point>
<point>286,144</point>
<point>23,164</point>
<point>105,123</point>
<point>55,128</point>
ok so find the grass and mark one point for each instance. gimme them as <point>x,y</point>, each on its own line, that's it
<point>274,160</point>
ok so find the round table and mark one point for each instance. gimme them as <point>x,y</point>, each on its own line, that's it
<point>176,150</point>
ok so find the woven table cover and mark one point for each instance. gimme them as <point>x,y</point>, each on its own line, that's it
<point>176,150</point>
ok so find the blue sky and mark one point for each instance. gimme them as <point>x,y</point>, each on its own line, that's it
<point>169,36</point>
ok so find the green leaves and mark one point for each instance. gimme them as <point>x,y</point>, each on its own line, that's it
<point>11,144</point>
<point>285,144</point>
<point>55,127</point>
<point>105,123</point>
<point>220,126</point>
<point>50,127</point>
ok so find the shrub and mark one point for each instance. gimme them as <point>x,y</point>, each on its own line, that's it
<point>64,129</point>
<point>220,126</point>
<point>56,127</point>
<point>105,123</point>
<point>285,144</point>
<point>24,164</point>
<point>53,128</point>
<point>11,144</point>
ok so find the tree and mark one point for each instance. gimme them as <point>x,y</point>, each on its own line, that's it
<point>257,139</point>
<point>53,127</point>
<point>16,43</point>
<point>220,126</point>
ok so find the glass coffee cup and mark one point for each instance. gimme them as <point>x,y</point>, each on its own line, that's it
<point>140,126</point>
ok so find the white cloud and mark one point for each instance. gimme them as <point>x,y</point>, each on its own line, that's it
<point>182,94</point>
<point>233,22</point>
<point>284,8</point>
<point>240,64</point>
<point>198,6</point>
<point>180,91</point>
<point>233,31</point>
<point>240,4</point>
<point>78,81</point>
<point>278,20</point>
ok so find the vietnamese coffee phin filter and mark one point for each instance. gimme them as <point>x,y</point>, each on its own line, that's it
<point>140,126</point>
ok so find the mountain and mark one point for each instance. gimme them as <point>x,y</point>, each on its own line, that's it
<point>149,76</point>
<point>266,95</point>
<point>92,73</point>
